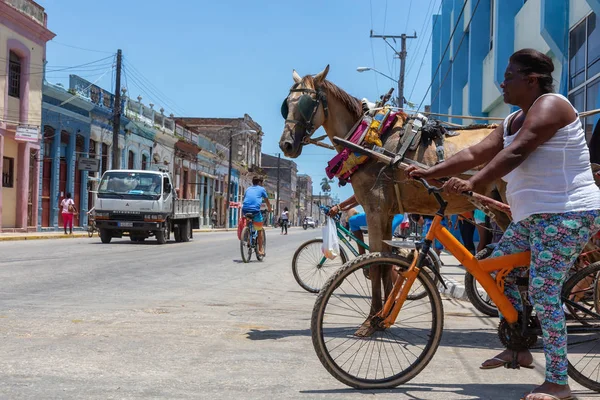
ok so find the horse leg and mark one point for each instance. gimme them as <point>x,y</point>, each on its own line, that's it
<point>382,277</point>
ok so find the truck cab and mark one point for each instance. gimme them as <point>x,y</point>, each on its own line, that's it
<point>140,204</point>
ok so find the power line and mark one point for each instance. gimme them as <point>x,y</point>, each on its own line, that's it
<point>81,48</point>
<point>139,79</point>
<point>424,54</point>
<point>95,67</point>
<point>372,50</point>
<point>445,50</point>
<point>426,23</point>
<point>136,81</point>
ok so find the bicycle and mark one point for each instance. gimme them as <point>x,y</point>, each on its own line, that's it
<point>363,342</point>
<point>312,269</point>
<point>249,240</point>
<point>91,228</point>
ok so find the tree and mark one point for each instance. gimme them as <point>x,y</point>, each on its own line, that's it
<point>325,186</point>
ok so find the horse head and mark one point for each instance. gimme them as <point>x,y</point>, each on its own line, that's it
<point>305,110</point>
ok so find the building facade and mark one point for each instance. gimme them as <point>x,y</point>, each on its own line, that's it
<point>287,172</point>
<point>467,82</point>
<point>23,38</point>
<point>246,142</point>
<point>66,127</point>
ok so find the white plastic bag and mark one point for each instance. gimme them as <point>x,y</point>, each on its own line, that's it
<point>331,243</point>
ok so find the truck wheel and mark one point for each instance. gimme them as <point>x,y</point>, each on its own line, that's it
<point>163,235</point>
<point>185,231</point>
<point>105,236</point>
<point>177,232</point>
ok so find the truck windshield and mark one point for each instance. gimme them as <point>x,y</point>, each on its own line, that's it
<point>130,185</point>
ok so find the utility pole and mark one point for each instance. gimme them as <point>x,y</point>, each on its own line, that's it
<point>227,209</point>
<point>402,56</point>
<point>277,200</point>
<point>116,164</point>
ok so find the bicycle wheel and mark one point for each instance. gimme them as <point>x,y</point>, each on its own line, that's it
<point>311,268</point>
<point>386,358</point>
<point>245,245</point>
<point>580,293</point>
<point>477,294</point>
<point>258,256</point>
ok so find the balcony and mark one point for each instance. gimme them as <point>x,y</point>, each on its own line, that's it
<point>29,8</point>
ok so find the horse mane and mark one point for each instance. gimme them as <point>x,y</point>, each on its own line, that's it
<point>353,104</point>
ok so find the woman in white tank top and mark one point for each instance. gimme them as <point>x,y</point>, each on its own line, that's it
<point>541,152</point>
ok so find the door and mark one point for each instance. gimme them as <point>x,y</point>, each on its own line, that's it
<point>30,206</point>
<point>77,196</point>
<point>46,181</point>
<point>62,188</point>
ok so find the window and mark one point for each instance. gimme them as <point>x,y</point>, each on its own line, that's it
<point>584,69</point>
<point>577,56</point>
<point>130,160</point>
<point>593,47</point>
<point>8,172</point>
<point>491,24</point>
<point>14,75</point>
<point>144,162</point>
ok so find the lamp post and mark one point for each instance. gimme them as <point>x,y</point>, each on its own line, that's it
<point>228,212</point>
<point>363,69</point>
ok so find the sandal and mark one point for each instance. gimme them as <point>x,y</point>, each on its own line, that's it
<point>548,396</point>
<point>503,363</point>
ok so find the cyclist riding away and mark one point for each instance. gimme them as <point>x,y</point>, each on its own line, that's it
<point>541,152</point>
<point>253,199</point>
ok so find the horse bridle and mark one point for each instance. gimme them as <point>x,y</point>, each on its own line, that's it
<point>306,98</point>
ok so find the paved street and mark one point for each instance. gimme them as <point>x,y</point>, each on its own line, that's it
<point>82,320</point>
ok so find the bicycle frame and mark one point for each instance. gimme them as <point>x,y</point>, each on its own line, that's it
<point>480,269</point>
<point>341,231</point>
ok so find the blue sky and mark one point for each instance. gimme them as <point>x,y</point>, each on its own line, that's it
<point>230,57</point>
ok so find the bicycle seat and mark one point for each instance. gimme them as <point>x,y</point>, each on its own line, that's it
<point>250,215</point>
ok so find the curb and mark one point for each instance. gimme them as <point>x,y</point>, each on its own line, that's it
<point>57,235</point>
<point>40,237</point>
<point>455,289</point>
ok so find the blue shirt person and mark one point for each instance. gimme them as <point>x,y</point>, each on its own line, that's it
<point>253,199</point>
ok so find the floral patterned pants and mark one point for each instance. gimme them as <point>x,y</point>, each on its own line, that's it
<point>555,241</point>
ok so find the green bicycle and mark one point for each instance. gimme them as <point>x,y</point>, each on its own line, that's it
<point>312,269</point>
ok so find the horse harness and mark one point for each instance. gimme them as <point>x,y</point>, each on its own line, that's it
<point>307,106</point>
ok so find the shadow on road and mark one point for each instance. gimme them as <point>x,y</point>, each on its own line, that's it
<point>466,391</point>
<point>463,338</point>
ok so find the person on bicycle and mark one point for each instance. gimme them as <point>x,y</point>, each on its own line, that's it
<point>253,199</point>
<point>357,220</point>
<point>541,152</point>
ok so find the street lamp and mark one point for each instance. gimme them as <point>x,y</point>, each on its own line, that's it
<point>228,213</point>
<point>363,69</point>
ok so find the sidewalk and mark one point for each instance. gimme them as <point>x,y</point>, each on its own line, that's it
<point>11,236</point>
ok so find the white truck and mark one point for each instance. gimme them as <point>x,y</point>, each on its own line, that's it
<point>141,204</point>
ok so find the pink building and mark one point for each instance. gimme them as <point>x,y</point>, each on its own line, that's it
<point>23,38</point>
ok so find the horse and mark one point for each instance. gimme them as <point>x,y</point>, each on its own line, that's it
<point>315,102</point>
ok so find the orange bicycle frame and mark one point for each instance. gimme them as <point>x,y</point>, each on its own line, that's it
<point>480,269</point>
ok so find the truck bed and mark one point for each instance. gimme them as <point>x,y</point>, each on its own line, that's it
<point>186,208</point>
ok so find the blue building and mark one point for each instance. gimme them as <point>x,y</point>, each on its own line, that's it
<point>472,62</point>
<point>66,125</point>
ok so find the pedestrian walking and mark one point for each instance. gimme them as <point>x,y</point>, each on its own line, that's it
<point>214,219</point>
<point>285,219</point>
<point>68,211</point>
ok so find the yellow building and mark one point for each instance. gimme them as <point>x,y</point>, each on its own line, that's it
<point>23,38</point>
